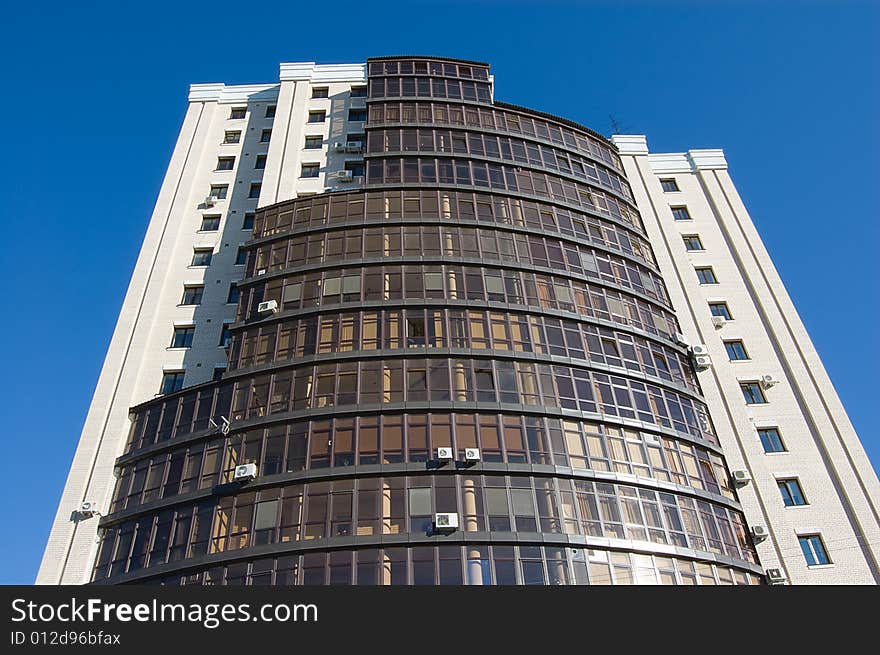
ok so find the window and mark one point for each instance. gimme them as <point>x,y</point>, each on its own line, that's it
<point>171,381</point>
<point>237,113</point>
<point>433,281</point>
<point>332,286</point>
<point>736,351</point>
<point>260,162</point>
<point>265,135</point>
<point>183,337</point>
<point>706,275</point>
<point>234,293</point>
<point>317,116</point>
<point>192,295</point>
<point>351,284</point>
<point>241,257</point>
<point>358,92</point>
<point>814,550</point>
<point>219,191</point>
<point>210,224</point>
<point>218,373</point>
<point>792,495</point>
<point>692,242</point>
<point>270,111</point>
<point>225,163</point>
<point>314,142</point>
<point>248,222</point>
<point>357,114</point>
<point>255,190</point>
<point>310,170</point>
<point>356,168</point>
<point>680,213</point>
<point>771,440</point>
<point>232,136</point>
<point>202,256</point>
<point>669,185</point>
<point>225,335</point>
<point>752,393</point>
<point>320,92</point>
<point>720,309</point>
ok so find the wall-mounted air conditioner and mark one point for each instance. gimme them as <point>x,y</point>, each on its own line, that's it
<point>775,576</point>
<point>267,307</point>
<point>446,522</point>
<point>768,381</point>
<point>700,356</point>
<point>244,472</point>
<point>88,508</point>
<point>759,532</point>
<point>445,454</point>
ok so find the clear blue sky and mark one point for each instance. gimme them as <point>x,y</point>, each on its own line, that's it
<point>94,93</point>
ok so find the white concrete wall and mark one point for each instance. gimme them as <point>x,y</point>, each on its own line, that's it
<point>823,450</point>
<point>140,350</point>
<point>287,152</point>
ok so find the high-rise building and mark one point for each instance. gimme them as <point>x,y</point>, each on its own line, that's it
<point>385,329</point>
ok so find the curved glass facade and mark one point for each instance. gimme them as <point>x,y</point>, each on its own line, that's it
<point>491,287</point>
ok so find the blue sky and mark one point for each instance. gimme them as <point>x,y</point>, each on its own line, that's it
<point>94,94</point>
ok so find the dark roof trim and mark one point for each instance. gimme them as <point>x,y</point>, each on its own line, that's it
<point>431,57</point>
<point>558,119</point>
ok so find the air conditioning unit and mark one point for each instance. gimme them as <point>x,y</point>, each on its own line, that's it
<point>775,576</point>
<point>700,356</point>
<point>718,321</point>
<point>680,339</point>
<point>354,146</point>
<point>702,362</point>
<point>343,175</point>
<point>760,532</point>
<point>209,201</point>
<point>88,508</point>
<point>267,307</point>
<point>339,146</point>
<point>244,472</point>
<point>652,439</point>
<point>445,454</point>
<point>472,455</point>
<point>262,271</point>
<point>446,522</point>
<point>768,381</point>
<point>741,476</point>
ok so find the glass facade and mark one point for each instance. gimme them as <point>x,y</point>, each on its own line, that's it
<point>490,287</point>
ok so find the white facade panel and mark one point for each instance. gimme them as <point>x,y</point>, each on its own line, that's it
<point>823,452</point>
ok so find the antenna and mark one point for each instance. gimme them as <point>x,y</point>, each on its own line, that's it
<point>616,126</point>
